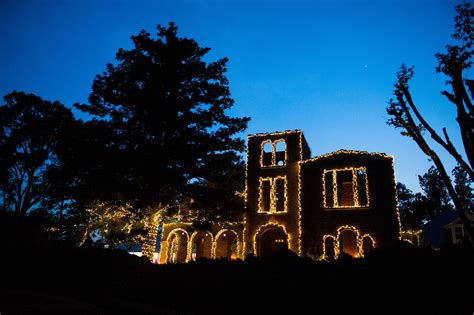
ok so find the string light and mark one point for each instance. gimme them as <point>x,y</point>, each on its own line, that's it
<point>351,152</point>
<point>273,162</point>
<point>190,244</point>
<point>167,250</point>
<point>411,236</point>
<point>222,232</point>
<point>244,242</point>
<point>273,195</point>
<point>355,190</point>
<point>264,227</point>
<point>300,223</point>
<point>336,240</point>
<point>148,246</point>
<point>396,198</point>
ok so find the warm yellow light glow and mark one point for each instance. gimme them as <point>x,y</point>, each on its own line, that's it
<point>170,234</point>
<point>396,199</point>
<point>355,190</point>
<point>411,236</point>
<point>273,195</point>
<point>190,244</point>
<point>223,233</point>
<point>148,246</point>
<point>360,238</point>
<point>262,228</point>
<point>300,207</point>
<point>352,152</point>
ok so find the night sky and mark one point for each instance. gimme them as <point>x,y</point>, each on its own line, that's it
<point>326,67</point>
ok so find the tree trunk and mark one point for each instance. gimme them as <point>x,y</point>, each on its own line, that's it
<point>148,246</point>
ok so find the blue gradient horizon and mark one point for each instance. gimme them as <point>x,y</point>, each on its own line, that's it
<point>325,68</point>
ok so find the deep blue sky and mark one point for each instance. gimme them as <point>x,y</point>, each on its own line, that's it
<point>326,67</point>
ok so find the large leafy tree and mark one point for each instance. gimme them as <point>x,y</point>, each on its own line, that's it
<point>418,208</point>
<point>436,196</point>
<point>464,187</point>
<point>167,108</point>
<point>411,206</point>
<point>405,114</point>
<point>30,135</point>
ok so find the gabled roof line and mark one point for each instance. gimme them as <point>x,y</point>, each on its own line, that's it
<point>352,152</point>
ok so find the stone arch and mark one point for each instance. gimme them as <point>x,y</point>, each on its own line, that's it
<point>329,243</point>
<point>348,241</point>
<point>269,239</point>
<point>177,241</point>
<point>227,244</point>
<point>200,245</point>
<point>367,244</point>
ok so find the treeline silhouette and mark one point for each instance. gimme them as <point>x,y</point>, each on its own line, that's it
<point>159,138</point>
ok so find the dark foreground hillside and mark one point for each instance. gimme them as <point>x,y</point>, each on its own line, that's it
<point>401,280</point>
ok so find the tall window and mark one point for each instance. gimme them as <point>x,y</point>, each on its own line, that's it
<point>273,153</point>
<point>272,197</point>
<point>345,188</point>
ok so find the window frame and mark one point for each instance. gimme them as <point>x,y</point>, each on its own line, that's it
<point>355,188</point>
<point>273,159</point>
<point>273,193</point>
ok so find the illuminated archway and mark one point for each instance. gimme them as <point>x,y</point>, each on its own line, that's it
<point>348,243</point>
<point>177,246</point>
<point>329,243</point>
<point>367,244</point>
<point>200,245</point>
<point>227,244</point>
<point>270,239</point>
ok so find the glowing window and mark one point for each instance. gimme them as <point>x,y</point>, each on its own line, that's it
<point>345,188</point>
<point>272,196</point>
<point>273,153</point>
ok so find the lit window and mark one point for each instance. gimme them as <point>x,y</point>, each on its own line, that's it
<point>272,198</point>
<point>345,188</point>
<point>273,153</point>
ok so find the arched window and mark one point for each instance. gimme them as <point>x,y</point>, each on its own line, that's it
<point>273,153</point>
<point>177,246</point>
<point>227,244</point>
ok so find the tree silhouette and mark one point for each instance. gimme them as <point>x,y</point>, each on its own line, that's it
<point>463,185</point>
<point>166,108</point>
<point>30,131</point>
<point>437,199</point>
<point>416,209</point>
<point>404,113</point>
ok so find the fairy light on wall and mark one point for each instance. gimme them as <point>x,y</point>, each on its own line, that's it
<point>300,223</point>
<point>351,152</point>
<point>325,237</point>
<point>256,160</point>
<point>273,162</point>
<point>264,227</point>
<point>273,195</point>
<point>336,240</point>
<point>396,197</point>
<point>170,234</point>
<point>216,239</point>
<point>355,190</point>
<point>190,244</point>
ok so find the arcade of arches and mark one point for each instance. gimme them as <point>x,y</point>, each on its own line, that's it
<point>348,241</point>
<point>201,244</point>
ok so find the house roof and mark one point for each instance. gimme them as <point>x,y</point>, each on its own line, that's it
<point>347,152</point>
<point>458,221</point>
